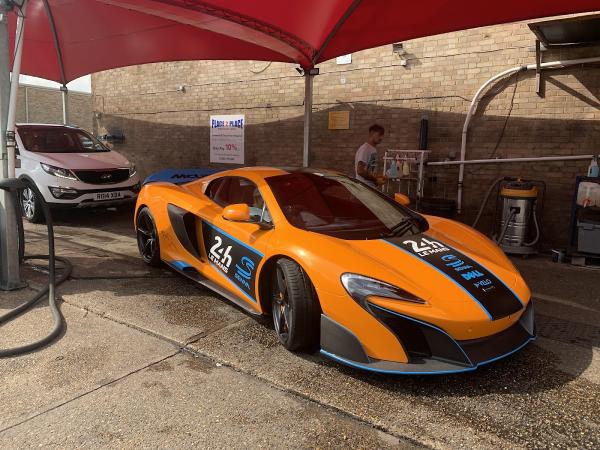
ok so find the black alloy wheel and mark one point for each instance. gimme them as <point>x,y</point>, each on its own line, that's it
<point>147,238</point>
<point>296,311</point>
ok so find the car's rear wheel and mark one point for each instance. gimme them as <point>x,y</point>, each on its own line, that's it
<point>147,237</point>
<point>31,207</point>
<point>295,308</point>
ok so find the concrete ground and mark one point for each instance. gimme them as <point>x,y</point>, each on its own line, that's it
<point>149,359</point>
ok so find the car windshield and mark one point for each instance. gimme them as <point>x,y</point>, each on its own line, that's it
<point>339,206</point>
<point>58,140</point>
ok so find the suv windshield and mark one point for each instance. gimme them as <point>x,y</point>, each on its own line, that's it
<point>58,140</point>
<point>340,206</point>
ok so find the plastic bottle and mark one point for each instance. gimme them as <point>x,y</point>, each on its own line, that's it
<point>593,167</point>
<point>405,168</point>
<point>393,170</point>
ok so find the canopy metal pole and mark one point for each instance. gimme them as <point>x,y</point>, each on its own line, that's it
<point>4,86</point>
<point>10,276</point>
<point>11,143</point>
<point>308,102</point>
<point>65,104</point>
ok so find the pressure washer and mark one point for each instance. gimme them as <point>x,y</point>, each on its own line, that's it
<point>517,214</point>
<point>14,186</point>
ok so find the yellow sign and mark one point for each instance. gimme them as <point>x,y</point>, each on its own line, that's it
<point>339,120</point>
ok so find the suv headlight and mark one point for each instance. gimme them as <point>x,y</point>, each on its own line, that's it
<point>58,172</point>
<point>132,170</point>
<point>361,288</point>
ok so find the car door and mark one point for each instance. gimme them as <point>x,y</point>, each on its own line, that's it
<point>235,250</point>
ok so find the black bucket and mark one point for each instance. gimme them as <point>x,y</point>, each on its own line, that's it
<point>442,207</point>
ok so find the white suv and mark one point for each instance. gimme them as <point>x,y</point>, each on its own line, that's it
<point>69,167</point>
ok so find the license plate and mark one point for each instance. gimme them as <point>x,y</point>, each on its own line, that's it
<point>108,195</point>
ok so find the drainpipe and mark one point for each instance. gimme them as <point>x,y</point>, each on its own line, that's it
<point>26,105</point>
<point>476,97</point>
<point>308,102</point>
<point>65,104</point>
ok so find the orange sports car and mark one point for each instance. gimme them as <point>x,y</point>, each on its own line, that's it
<point>341,267</point>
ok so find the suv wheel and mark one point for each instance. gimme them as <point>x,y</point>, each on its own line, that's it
<point>30,204</point>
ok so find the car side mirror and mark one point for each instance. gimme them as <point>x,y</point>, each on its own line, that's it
<point>239,212</point>
<point>402,199</point>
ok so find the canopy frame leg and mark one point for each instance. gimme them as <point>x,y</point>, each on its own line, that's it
<point>10,271</point>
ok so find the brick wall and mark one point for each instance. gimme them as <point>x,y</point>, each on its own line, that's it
<point>44,105</point>
<point>167,127</point>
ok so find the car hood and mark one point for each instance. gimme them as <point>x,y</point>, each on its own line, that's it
<point>457,279</point>
<point>84,161</point>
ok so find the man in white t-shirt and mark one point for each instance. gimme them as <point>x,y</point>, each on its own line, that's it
<point>365,161</point>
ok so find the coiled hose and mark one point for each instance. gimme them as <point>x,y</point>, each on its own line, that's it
<point>50,288</point>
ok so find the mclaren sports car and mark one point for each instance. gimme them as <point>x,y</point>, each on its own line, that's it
<point>340,267</point>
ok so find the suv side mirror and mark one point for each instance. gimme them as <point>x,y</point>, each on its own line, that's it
<point>239,212</point>
<point>402,199</point>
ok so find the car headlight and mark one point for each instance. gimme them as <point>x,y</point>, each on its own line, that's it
<point>361,288</point>
<point>132,170</point>
<point>58,172</point>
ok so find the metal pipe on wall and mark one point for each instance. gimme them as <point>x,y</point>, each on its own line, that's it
<point>475,100</point>
<point>510,160</point>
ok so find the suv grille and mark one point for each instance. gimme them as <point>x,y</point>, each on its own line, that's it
<point>109,176</point>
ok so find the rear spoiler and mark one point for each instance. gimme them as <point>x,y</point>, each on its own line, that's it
<point>180,176</point>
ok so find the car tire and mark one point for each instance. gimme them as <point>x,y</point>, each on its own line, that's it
<point>30,200</point>
<point>147,238</point>
<point>295,308</point>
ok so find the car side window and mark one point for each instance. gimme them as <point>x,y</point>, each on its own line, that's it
<point>217,191</point>
<point>234,190</point>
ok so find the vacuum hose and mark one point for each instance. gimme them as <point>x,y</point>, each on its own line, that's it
<point>486,197</point>
<point>511,216</point>
<point>537,230</point>
<point>50,288</point>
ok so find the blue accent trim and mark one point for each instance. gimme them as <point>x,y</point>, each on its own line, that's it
<point>483,363</point>
<point>179,265</point>
<point>236,286</point>
<point>501,281</point>
<point>424,324</point>
<point>180,176</point>
<point>252,249</point>
<point>400,372</point>
<point>394,372</point>
<point>443,274</point>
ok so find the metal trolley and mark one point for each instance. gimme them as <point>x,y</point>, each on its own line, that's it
<point>409,182</point>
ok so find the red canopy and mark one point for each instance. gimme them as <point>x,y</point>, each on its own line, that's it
<point>65,39</point>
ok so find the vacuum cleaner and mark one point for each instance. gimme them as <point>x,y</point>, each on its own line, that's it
<point>14,186</point>
<point>516,219</point>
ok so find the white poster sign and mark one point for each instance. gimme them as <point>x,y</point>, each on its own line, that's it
<point>344,59</point>
<point>227,139</point>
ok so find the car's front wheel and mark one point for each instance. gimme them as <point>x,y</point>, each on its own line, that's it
<point>31,207</point>
<point>147,237</point>
<point>295,308</point>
